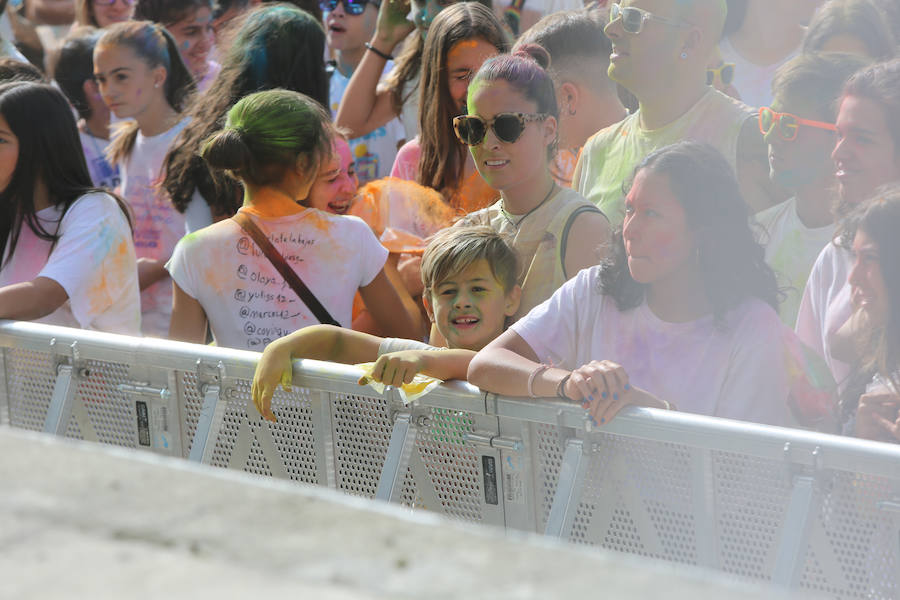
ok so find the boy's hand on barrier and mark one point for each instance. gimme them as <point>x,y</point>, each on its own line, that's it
<point>602,387</point>
<point>274,369</point>
<point>397,368</point>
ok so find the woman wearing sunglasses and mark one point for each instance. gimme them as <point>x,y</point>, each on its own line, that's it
<point>800,132</point>
<point>680,314</point>
<point>511,131</point>
<point>102,13</point>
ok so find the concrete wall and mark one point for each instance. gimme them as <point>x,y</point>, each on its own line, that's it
<point>80,520</point>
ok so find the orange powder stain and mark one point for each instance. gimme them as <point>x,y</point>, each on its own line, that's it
<point>113,270</point>
<point>375,200</point>
<point>459,47</point>
<point>474,194</point>
<point>318,219</point>
<point>273,210</point>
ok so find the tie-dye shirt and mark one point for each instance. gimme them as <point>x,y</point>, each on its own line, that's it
<point>791,250</point>
<point>733,372</point>
<point>93,261</point>
<point>610,156</point>
<point>247,301</point>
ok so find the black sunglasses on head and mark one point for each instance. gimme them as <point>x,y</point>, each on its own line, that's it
<point>351,7</point>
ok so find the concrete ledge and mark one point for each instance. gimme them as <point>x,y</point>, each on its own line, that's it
<point>81,520</point>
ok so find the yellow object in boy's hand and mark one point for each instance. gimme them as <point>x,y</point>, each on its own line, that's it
<point>412,388</point>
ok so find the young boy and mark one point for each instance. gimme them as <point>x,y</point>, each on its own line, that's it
<point>348,26</point>
<point>469,274</point>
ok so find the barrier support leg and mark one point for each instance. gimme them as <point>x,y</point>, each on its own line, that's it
<point>60,411</point>
<point>803,507</point>
<point>403,438</point>
<point>212,415</point>
<point>568,489</point>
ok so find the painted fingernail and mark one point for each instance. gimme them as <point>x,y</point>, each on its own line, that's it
<point>603,395</point>
<point>593,420</point>
<point>590,397</point>
<point>615,396</point>
<point>602,420</point>
<point>627,386</point>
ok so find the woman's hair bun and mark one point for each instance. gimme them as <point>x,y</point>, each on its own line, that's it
<point>227,149</point>
<point>534,52</point>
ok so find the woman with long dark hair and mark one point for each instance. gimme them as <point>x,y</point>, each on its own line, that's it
<point>682,313</point>
<point>274,47</point>
<point>68,258</point>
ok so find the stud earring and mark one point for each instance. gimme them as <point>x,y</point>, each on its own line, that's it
<point>683,55</point>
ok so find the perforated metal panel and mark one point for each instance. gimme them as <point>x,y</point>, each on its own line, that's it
<point>362,431</point>
<point>244,443</point>
<point>547,457</point>
<point>855,540</point>
<point>751,499</point>
<point>111,413</point>
<point>451,467</point>
<point>29,379</point>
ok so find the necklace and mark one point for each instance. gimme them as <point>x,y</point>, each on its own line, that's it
<point>512,220</point>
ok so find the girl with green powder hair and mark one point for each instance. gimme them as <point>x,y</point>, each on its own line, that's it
<point>274,142</point>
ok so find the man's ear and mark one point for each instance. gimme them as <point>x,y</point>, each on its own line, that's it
<point>568,96</point>
<point>513,299</point>
<point>426,302</point>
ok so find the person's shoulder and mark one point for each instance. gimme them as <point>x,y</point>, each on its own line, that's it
<point>773,215</point>
<point>603,136</point>
<point>97,206</point>
<point>756,319</point>
<point>410,148</point>
<point>732,105</point>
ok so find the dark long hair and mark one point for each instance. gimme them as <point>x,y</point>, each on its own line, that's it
<point>274,47</point>
<point>861,19</point>
<point>443,156</point>
<point>731,263</point>
<point>156,46</point>
<point>49,151</point>
<point>167,12</point>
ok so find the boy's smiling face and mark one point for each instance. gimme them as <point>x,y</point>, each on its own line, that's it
<point>470,308</point>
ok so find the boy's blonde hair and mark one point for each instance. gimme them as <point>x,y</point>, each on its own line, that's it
<point>452,250</point>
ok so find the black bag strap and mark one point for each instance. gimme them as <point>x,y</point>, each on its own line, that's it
<point>290,276</point>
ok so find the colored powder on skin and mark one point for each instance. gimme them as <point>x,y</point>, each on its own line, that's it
<point>458,47</point>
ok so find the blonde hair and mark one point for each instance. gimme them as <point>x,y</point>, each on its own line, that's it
<point>454,249</point>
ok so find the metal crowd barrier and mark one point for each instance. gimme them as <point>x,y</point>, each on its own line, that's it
<point>800,509</point>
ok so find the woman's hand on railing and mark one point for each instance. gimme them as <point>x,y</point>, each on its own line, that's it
<point>274,368</point>
<point>603,389</point>
<point>878,417</point>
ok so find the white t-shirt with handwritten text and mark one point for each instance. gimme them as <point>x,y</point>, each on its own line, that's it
<point>93,260</point>
<point>247,301</point>
<point>157,225</point>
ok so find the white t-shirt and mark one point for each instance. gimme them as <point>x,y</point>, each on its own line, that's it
<point>197,215</point>
<point>791,250</point>
<point>826,306</point>
<point>247,301</point>
<point>753,82</point>
<point>102,173</point>
<point>374,152</point>
<point>93,260</point>
<point>157,225</point>
<point>733,373</point>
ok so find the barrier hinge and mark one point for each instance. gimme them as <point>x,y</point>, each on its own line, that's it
<point>489,440</point>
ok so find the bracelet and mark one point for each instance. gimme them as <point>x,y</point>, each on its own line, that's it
<point>383,55</point>
<point>561,387</point>
<point>537,371</point>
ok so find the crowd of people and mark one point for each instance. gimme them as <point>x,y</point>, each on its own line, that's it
<point>686,205</point>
